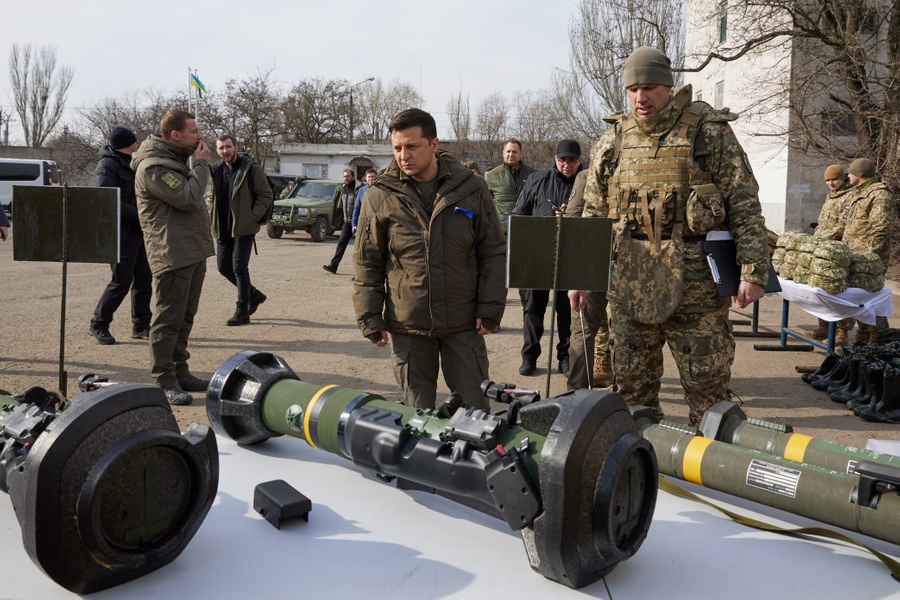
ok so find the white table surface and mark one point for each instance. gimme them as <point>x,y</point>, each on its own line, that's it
<point>365,539</point>
<point>852,303</point>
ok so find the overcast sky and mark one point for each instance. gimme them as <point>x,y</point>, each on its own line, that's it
<point>479,46</point>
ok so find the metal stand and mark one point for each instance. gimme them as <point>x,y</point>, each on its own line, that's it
<point>786,332</point>
<point>754,326</point>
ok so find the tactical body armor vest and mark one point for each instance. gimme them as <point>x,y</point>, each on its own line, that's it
<point>654,175</point>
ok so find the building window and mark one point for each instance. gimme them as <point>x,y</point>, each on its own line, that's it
<point>315,171</point>
<point>838,123</point>
<point>720,95</point>
<point>723,24</point>
<point>700,96</point>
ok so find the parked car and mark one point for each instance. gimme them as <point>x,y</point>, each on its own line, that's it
<point>310,206</point>
<point>283,185</point>
<point>24,171</point>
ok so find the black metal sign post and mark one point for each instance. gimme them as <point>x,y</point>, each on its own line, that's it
<point>65,224</point>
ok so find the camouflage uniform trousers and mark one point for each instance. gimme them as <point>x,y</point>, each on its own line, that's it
<point>596,338</point>
<point>700,342</point>
<point>867,333</point>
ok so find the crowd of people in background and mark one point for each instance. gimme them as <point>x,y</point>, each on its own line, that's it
<point>430,252</point>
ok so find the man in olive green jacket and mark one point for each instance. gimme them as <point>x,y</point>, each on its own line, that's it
<point>507,180</point>
<point>430,260</point>
<point>241,197</point>
<point>173,217</point>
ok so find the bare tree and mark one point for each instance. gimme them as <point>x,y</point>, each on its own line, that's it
<point>460,116</point>
<point>492,117</point>
<point>838,78</point>
<point>249,109</point>
<point>379,102</point>
<point>76,155</point>
<point>842,96</point>
<point>139,110</point>
<point>39,90</point>
<point>315,112</point>
<point>602,36</point>
<point>540,124</point>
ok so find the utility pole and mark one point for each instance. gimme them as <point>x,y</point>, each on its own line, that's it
<point>352,139</point>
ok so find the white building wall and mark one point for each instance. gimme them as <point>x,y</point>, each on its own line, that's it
<point>328,161</point>
<point>759,122</point>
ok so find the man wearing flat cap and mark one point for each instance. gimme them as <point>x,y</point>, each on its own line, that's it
<point>132,272</point>
<point>669,172</point>
<point>545,194</point>
<point>868,228</point>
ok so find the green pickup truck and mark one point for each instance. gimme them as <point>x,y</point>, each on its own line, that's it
<point>309,206</point>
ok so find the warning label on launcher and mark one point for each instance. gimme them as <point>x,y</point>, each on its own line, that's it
<point>773,478</point>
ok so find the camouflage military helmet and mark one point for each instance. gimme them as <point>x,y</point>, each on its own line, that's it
<point>648,66</point>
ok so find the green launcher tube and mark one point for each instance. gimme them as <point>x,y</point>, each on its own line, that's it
<point>726,422</point>
<point>571,473</point>
<point>866,503</point>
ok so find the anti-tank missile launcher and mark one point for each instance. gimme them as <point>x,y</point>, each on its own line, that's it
<point>571,473</point>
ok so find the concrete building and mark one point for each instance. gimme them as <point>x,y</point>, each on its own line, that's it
<point>328,161</point>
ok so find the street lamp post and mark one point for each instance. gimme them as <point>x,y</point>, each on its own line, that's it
<point>352,139</point>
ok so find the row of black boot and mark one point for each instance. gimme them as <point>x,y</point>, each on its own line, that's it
<point>863,377</point>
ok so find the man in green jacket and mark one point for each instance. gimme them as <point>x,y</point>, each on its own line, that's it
<point>241,197</point>
<point>173,217</point>
<point>430,260</point>
<point>507,180</point>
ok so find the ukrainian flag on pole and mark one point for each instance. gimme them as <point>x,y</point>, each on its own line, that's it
<point>196,83</point>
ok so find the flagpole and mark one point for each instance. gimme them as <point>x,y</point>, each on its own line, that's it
<point>190,92</point>
<point>197,100</point>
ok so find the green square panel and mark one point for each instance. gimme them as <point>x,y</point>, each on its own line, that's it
<point>92,223</point>
<point>584,253</point>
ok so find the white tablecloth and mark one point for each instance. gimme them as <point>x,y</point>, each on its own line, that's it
<point>852,303</point>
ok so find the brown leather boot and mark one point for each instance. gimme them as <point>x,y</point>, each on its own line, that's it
<point>841,338</point>
<point>602,377</point>
<point>821,331</point>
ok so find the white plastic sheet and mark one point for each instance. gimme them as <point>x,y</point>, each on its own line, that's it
<point>852,303</point>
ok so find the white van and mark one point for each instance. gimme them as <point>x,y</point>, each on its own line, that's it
<point>24,171</point>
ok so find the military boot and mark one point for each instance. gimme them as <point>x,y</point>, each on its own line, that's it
<point>256,298</point>
<point>839,392</point>
<point>827,365</point>
<point>241,315</point>
<point>874,375</point>
<point>602,377</point>
<point>841,338</point>
<point>887,410</point>
<point>833,376</point>
<point>821,331</point>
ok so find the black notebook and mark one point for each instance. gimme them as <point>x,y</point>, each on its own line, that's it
<point>722,258</point>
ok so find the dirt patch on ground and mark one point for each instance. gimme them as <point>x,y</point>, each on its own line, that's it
<point>309,321</point>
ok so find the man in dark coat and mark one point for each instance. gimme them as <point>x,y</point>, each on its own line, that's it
<point>545,195</point>
<point>132,272</point>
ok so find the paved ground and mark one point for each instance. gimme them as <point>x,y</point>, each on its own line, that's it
<point>309,321</point>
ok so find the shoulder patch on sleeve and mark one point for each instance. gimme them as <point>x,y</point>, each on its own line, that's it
<point>171,179</point>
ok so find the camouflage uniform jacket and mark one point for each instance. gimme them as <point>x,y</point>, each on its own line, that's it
<point>725,161</point>
<point>831,219</point>
<point>422,274</point>
<point>868,219</point>
<point>171,204</point>
<point>506,185</point>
